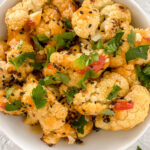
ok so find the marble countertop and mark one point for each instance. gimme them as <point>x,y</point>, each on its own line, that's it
<point>143,142</point>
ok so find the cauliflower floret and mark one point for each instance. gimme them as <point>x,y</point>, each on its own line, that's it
<point>114,17</point>
<point>127,119</point>
<point>3,49</point>
<point>99,4</point>
<point>16,17</point>
<point>66,8</point>
<point>128,71</point>
<point>85,21</point>
<point>93,100</point>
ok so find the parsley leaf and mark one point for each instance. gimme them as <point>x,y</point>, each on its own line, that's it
<point>22,58</point>
<point>113,45</point>
<point>88,74</point>
<point>20,44</point>
<point>9,92</point>
<point>145,79</point>
<point>37,65</point>
<point>70,94</point>
<point>85,60</point>
<point>53,79</point>
<point>138,148</point>
<point>108,112</point>
<point>97,45</point>
<point>49,53</point>
<point>80,124</point>
<point>146,70</point>
<point>43,38</point>
<point>36,43</point>
<point>15,105</point>
<point>137,52</point>
<point>68,23</point>
<point>64,40</point>
<point>131,38</point>
<point>114,92</point>
<point>38,94</point>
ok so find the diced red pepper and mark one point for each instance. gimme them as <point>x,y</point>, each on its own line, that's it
<point>3,105</point>
<point>147,38</point>
<point>124,105</point>
<point>96,66</point>
<point>30,23</point>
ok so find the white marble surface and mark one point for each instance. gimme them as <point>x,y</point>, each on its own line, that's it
<point>143,142</point>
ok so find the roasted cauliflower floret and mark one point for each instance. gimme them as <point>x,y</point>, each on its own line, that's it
<point>3,49</point>
<point>128,71</point>
<point>93,100</point>
<point>85,21</point>
<point>127,119</point>
<point>99,4</point>
<point>66,8</point>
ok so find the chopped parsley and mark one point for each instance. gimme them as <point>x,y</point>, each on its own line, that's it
<point>114,92</point>
<point>80,124</point>
<point>142,76</point>
<point>138,148</point>
<point>37,43</point>
<point>108,112</point>
<point>112,46</point>
<point>49,53</point>
<point>43,38</point>
<point>88,74</point>
<point>20,44</point>
<point>52,79</point>
<point>38,94</point>
<point>97,45</point>
<point>9,92</point>
<point>68,23</point>
<point>85,60</point>
<point>131,38</point>
<point>64,40</point>
<point>137,52</point>
<point>15,105</point>
<point>70,94</point>
<point>22,58</point>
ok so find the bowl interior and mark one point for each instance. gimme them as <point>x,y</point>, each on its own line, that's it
<point>27,139</point>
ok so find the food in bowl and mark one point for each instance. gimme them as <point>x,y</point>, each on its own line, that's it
<point>73,68</point>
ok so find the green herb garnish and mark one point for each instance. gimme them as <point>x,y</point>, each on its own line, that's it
<point>114,92</point>
<point>131,38</point>
<point>70,94</point>
<point>108,112</point>
<point>9,92</point>
<point>80,124</point>
<point>37,65</point>
<point>97,45</point>
<point>138,148</point>
<point>20,44</point>
<point>22,58</point>
<point>68,23</point>
<point>38,94</point>
<point>43,38</point>
<point>15,105</point>
<point>137,52</point>
<point>37,43</point>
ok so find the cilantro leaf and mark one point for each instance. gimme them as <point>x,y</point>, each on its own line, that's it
<point>80,124</point>
<point>36,43</point>
<point>131,38</point>
<point>97,45</point>
<point>9,92</point>
<point>145,79</point>
<point>70,94</point>
<point>146,70</point>
<point>37,65</point>
<point>20,44</point>
<point>68,23</point>
<point>22,58</point>
<point>93,57</point>
<point>137,52</point>
<point>108,112</point>
<point>112,46</point>
<point>49,53</point>
<point>63,77</point>
<point>38,94</point>
<point>114,92</point>
<point>88,74</point>
<point>138,148</point>
<point>15,105</point>
<point>43,38</point>
<point>64,40</point>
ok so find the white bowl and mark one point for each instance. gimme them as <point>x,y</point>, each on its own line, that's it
<point>24,137</point>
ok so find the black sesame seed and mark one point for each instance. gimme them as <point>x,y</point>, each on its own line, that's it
<point>64,133</point>
<point>81,12</point>
<point>22,93</point>
<point>90,25</point>
<point>19,74</point>
<point>74,50</point>
<point>106,120</point>
<point>90,12</point>
<point>58,23</point>
<point>78,141</point>
<point>21,32</point>
<point>86,46</point>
